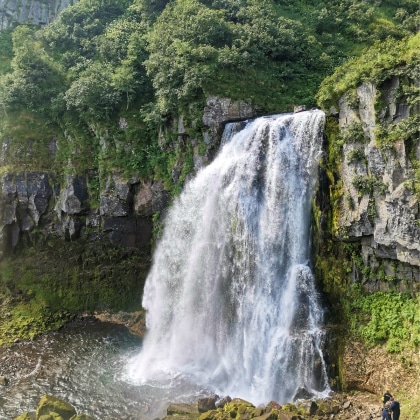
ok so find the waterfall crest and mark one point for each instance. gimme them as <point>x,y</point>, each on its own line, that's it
<point>230,298</point>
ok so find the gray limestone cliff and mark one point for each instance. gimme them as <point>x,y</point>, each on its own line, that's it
<point>35,12</point>
<point>379,206</point>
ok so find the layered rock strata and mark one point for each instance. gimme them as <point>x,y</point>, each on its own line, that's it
<point>379,207</point>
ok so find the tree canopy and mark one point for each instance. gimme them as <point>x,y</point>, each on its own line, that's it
<point>147,60</point>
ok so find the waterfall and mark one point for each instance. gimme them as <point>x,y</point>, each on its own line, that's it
<point>230,299</point>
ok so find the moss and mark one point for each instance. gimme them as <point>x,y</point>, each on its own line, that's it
<point>42,288</point>
<point>55,408</point>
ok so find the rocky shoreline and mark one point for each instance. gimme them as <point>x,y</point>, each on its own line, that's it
<point>337,406</point>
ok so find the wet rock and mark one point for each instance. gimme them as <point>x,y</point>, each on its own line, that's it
<point>130,232</point>
<point>134,321</point>
<point>274,404</point>
<point>302,394</point>
<point>175,409</point>
<point>207,404</point>
<point>50,404</point>
<point>223,401</point>
<point>25,416</point>
<point>4,381</point>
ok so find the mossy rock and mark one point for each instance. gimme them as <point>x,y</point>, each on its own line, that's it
<point>51,416</point>
<point>52,406</point>
<point>239,409</point>
<point>289,409</point>
<point>179,409</point>
<point>25,416</point>
<point>82,417</point>
<point>271,415</point>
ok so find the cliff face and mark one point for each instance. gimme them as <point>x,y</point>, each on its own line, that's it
<point>81,241</point>
<point>38,204</point>
<point>379,207</point>
<point>376,215</point>
<point>36,12</point>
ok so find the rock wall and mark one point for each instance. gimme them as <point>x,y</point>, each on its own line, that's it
<point>374,229</point>
<point>379,207</point>
<point>35,202</point>
<point>38,203</point>
<point>36,12</point>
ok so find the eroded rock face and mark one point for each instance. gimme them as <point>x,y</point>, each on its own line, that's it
<point>34,12</point>
<point>218,111</point>
<point>34,200</point>
<point>117,208</point>
<point>25,199</point>
<point>378,206</point>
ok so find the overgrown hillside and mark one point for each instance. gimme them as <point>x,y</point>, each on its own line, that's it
<point>146,62</point>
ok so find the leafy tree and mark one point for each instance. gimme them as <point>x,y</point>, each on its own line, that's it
<point>93,95</point>
<point>183,51</point>
<point>35,79</point>
<point>73,34</point>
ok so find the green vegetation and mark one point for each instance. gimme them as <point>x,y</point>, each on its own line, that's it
<point>389,57</point>
<point>106,81</point>
<point>386,317</point>
<point>45,286</point>
<point>146,62</point>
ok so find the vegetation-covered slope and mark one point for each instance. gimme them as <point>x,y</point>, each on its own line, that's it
<point>147,61</point>
<point>142,63</point>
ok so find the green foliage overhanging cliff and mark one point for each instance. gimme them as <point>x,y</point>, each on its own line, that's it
<point>147,61</point>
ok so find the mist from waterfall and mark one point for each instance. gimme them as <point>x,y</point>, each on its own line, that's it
<point>231,301</point>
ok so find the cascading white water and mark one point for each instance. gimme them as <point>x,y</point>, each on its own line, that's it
<point>230,299</point>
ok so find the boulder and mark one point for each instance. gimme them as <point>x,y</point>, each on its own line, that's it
<point>176,409</point>
<point>223,401</point>
<point>51,416</point>
<point>302,394</point>
<point>207,404</point>
<point>25,416</point>
<point>53,406</point>
<point>274,404</point>
<point>267,416</point>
